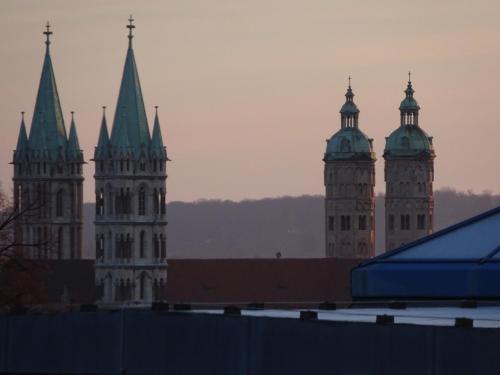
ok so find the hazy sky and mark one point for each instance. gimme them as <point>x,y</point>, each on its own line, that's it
<point>248,91</point>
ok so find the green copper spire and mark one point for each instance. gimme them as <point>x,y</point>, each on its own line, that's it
<point>37,140</point>
<point>157,146</point>
<point>349,112</point>
<point>409,104</point>
<point>409,140</point>
<point>47,119</point>
<point>102,148</point>
<point>73,150</point>
<point>130,125</point>
<point>22,140</point>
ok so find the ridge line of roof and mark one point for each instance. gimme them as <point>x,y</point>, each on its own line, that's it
<point>425,239</point>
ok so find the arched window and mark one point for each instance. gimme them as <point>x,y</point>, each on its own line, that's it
<point>142,286</point>
<point>362,222</point>
<point>128,202</point>
<point>128,247</point>
<point>142,245</point>
<point>59,203</point>
<point>156,198</point>
<point>110,203</point>
<point>162,202</point>
<point>101,247</point>
<point>118,249</point>
<point>99,203</point>
<point>156,252</point>
<point>163,244</point>
<point>142,201</point>
<point>391,222</point>
<point>345,222</point>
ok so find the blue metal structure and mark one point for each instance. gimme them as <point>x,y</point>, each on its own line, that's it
<point>461,261</point>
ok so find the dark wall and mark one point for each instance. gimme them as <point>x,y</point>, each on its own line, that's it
<point>145,342</point>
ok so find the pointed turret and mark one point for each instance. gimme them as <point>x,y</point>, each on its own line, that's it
<point>157,147</point>
<point>130,125</point>
<point>102,148</point>
<point>73,150</point>
<point>409,106</point>
<point>48,114</point>
<point>22,141</point>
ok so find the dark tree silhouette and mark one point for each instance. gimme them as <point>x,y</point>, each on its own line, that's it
<point>21,281</point>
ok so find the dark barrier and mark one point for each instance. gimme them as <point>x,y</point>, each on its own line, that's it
<point>156,342</point>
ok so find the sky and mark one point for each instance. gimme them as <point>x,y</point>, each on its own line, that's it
<point>248,91</point>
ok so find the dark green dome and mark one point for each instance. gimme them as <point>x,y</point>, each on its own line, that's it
<point>349,143</point>
<point>408,140</point>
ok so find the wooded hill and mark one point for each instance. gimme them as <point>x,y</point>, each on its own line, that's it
<point>291,226</point>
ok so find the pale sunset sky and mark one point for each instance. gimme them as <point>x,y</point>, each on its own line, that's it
<point>248,91</point>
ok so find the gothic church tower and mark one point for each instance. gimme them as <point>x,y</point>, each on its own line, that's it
<point>130,186</point>
<point>48,177</point>
<point>349,179</point>
<point>409,174</point>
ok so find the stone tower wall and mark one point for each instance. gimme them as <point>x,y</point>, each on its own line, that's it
<point>50,202</point>
<point>133,272</point>
<point>409,202</point>
<point>349,209</point>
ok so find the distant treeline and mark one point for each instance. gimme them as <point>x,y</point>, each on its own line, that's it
<point>289,226</point>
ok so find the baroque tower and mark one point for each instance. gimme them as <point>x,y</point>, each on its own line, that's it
<point>48,177</point>
<point>130,187</point>
<point>349,179</point>
<point>409,174</point>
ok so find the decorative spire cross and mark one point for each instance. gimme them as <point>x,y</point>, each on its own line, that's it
<point>130,27</point>
<point>47,33</point>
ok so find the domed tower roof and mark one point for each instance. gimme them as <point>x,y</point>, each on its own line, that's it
<point>409,140</point>
<point>349,142</point>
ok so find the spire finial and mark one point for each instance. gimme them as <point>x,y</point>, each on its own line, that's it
<point>409,76</point>
<point>47,33</point>
<point>22,116</point>
<point>130,27</point>
<point>156,110</point>
<point>349,81</point>
<point>72,115</point>
<point>104,110</point>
